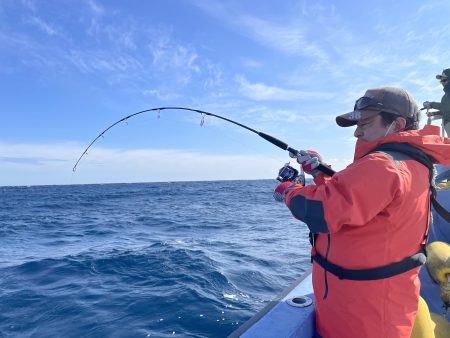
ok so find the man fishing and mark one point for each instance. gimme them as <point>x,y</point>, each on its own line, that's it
<point>443,106</point>
<point>369,222</point>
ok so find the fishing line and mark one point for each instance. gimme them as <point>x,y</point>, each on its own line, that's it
<point>267,137</point>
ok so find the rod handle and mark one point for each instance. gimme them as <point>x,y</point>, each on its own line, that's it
<point>326,170</point>
<point>273,140</point>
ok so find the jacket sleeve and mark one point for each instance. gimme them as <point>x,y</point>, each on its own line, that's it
<point>436,105</point>
<point>321,179</point>
<point>351,197</point>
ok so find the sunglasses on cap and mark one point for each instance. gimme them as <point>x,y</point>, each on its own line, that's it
<point>367,102</point>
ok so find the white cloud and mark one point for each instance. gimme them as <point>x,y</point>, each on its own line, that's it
<point>250,63</point>
<point>43,26</point>
<point>289,37</point>
<point>366,58</point>
<point>214,74</point>
<point>430,7</point>
<point>102,61</point>
<point>95,7</point>
<point>36,153</point>
<point>261,92</point>
<point>430,55</point>
<point>42,164</point>
<point>167,55</point>
<point>268,115</point>
<point>160,94</point>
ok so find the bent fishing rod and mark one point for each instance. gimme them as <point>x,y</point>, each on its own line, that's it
<point>280,144</point>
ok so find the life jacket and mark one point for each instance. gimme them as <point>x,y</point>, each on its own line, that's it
<point>407,263</point>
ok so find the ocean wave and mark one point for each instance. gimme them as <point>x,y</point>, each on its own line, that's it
<point>181,259</point>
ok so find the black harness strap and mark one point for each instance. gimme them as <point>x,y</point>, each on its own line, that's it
<point>405,264</point>
<point>419,156</point>
<point>373,273</point>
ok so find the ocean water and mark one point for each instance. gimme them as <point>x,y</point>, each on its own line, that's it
<point>183,259</point>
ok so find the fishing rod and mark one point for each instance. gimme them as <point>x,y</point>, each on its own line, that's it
<point>280,144</point>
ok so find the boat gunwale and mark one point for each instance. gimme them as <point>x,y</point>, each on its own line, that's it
<point>253,320</point>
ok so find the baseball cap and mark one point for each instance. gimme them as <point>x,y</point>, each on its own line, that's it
<point>445,74</point>
<point>388,99</point>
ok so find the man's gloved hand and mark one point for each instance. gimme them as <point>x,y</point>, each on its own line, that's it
<point>281,190</point>
<point>309,160</point>
<point>427,105</point>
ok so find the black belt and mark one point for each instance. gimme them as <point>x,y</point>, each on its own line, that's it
<point>375,273</point>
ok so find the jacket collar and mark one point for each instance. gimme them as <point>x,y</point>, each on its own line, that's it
<point>427,139</point>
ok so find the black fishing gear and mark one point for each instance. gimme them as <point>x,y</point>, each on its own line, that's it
<point>288,174</point>
<point>267,137</point>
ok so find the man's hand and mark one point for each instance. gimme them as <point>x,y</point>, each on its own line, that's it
<point>310,160</point>
<point>281,190</point>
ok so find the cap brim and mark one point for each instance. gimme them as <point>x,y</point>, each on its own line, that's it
<point>439,77</point>
<point>352,118</point>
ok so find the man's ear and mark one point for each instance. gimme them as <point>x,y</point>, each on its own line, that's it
<point>400,124</point>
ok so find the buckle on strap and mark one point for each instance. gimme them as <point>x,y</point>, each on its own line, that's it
<point>381,272</point>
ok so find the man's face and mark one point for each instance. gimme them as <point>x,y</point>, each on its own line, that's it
<point>371,129</point>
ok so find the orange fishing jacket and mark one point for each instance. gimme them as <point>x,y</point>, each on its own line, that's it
<point>371,214</point>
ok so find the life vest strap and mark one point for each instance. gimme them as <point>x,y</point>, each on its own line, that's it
<point>381,272</point>
<point>421,157</point>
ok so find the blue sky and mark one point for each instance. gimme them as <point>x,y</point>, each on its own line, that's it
<point>71,68</point>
